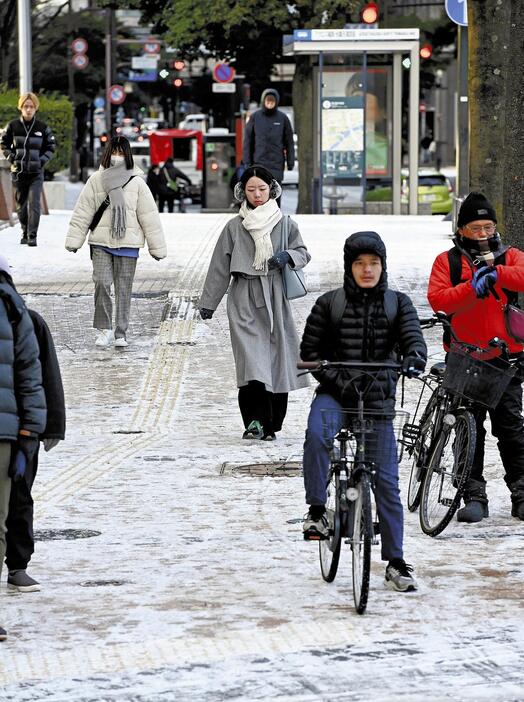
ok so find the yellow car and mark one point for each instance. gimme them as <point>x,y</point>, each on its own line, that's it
<point>433,187</point>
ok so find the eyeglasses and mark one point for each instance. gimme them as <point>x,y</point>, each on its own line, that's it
<point>478,228</point>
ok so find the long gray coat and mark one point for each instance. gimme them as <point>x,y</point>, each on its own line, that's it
<point>263,335</point>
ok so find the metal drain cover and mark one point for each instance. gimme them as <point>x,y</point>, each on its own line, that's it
<point>64,534</point>
<point>274,469</point>
<point>102,583</point>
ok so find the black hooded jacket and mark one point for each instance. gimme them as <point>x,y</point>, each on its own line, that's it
<point>268,139</point>
<point>364,332</point>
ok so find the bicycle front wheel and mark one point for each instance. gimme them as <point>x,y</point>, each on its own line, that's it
<point>446,475</point>
<point>421,452</point>
<point>361,543</point>
<point>329,549</point>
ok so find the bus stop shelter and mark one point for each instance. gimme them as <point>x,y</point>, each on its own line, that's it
<point>344,145</point>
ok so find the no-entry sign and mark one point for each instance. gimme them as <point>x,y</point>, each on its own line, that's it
<point>223,73</point>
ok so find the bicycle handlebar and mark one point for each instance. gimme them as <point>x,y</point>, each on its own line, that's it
<point>357,365</point>
<point>443,319</point>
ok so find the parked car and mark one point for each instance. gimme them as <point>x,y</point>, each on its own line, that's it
<point>128,128</point>
<point>433,187</point>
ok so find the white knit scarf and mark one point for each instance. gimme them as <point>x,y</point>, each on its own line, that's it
<point>260,222</point>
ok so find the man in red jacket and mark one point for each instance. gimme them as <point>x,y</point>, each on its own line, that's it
<point>461,284</point>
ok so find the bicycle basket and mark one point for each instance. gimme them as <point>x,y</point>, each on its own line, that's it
<point>380,433</point>
<point>480,381</point>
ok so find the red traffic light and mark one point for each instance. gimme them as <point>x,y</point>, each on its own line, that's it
<point>179,65</point>
<point>369,13</point>
<point>426,51</point>
<point>178,82</point>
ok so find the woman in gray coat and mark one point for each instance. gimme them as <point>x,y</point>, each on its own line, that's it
<point>263,335</point>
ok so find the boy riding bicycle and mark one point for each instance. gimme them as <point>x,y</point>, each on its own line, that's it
<point>373,323</point>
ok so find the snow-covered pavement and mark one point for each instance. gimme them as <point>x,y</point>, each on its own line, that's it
<point>169,572</point>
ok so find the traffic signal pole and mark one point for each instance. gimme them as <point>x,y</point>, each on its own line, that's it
<point>25,46</point>
<point>462,125</point>
<point>110,23</point>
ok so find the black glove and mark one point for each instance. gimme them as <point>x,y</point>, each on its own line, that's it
<point>279,260</point>
<point>205,313</point>
<point>413,366</point>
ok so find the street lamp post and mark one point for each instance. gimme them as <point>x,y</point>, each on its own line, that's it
<point>24,46</point>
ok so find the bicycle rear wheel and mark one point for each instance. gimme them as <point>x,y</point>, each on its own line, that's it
<point>329,549</point>
<point>448,470</point>
<point>361,543</point>
<point>421,452</point>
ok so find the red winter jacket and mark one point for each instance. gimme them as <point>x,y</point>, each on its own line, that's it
<point>476,320</point>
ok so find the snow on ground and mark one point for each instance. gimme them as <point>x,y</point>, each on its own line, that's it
<point>192,581</point>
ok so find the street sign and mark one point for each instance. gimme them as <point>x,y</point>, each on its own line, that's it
<point>145,77</point>
<point>458,11</point>
<point>80,61</point>
<point>150,63</point>
<point>223,73</point>
<point>400,34</point>
<point>116,95</point>
<point>152,47</point>
<point>99,102</point>
<point>224,88</point>
<point>79,45</point>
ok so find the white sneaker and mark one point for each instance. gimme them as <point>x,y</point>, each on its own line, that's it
<point>105,337</point>
<point>121,342</point>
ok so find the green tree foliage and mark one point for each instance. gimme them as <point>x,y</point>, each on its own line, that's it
<point>56,111</point>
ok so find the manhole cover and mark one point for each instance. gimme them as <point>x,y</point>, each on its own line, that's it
<point>102,583</point>
<point>64,534</point>
<point>274,469</point>
<point>181,343</point>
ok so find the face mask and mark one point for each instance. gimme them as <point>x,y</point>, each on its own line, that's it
<point>117,160</point>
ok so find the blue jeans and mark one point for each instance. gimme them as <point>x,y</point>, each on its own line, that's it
<point>387,493</point>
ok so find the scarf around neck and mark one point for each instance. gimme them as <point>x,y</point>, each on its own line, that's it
<point>113,179</point>
<point>260,222</point>
<point>483,251</point>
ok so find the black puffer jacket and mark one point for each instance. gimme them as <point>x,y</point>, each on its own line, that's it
<point>28,145</point>
<point>22,400</point>
<point>363,334</point>
<point>268,139</point>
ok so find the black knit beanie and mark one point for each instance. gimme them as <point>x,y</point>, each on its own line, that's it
<point>474,207</point>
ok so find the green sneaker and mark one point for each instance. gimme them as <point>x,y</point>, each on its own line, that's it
<point>254,431</point>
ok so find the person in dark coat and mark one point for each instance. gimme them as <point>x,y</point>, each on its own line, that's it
<point>20,537</point>
<point>268,137</point>
<point>28,143</point>
<point>153,175</point>
<point>169,178</point>
<point>363,333</point>
<point>23,413</point>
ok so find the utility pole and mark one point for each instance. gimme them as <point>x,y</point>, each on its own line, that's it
<point>110,31</point>
<point>462,127</point>
<point>73,164</point>
<point>25,46</point>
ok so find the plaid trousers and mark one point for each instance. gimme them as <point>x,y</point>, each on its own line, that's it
<point>109,269</point>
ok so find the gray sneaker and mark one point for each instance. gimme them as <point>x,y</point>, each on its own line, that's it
<point>21,581</point>
<point>398,576</point>
<point>315,528</point>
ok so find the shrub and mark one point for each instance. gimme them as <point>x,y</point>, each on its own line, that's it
<point>57,112</point>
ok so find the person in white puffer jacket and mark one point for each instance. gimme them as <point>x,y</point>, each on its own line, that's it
<point>118,210</point>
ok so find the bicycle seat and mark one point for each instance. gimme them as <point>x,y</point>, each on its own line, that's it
<point>437,369</point>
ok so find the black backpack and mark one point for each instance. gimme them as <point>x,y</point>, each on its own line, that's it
<point>337,305</point>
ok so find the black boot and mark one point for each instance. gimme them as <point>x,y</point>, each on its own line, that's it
<point>476,502</point>
<point>517,499</point>
<point>31,240</point>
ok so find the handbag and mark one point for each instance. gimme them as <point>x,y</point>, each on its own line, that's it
<point>293,280</point>
<point>514,320</point>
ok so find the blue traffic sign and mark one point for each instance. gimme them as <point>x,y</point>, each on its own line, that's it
<point>458,11</point>
<point>99,102</point>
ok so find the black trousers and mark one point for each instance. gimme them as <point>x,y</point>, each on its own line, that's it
<point>507,425</point>
<point>28,190</point>
<point>20,538</point>
<point>170,199</point>
<point>256,403</point>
